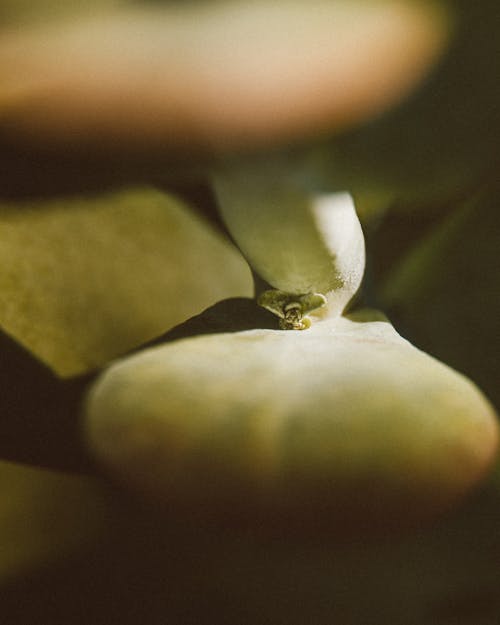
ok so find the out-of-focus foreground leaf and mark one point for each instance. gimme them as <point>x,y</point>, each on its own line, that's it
<point>211,77</point>
<point>22,11</point>
<point>153,573</point>
<point>45,516</point>
<point>445,294</point>
<point>83,280</point>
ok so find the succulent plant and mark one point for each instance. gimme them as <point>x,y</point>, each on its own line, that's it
<point>328,421</point>
<point>295,411</point>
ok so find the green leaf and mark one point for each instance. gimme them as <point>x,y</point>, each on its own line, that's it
<point>84,280</point>
<point>45,516</point>
<point>445,292</point>
<point>342,427</point>
<point>297,242</point>
<point>24,11</point>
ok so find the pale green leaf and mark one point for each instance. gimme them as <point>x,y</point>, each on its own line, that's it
<point>343,425</point>
<point>84,280</point>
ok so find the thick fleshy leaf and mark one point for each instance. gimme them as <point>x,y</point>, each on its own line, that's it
<point>342,425</point>
<point>84,280</point>
<point>214,76</point>
<point>45,516</point>
<point>296,241</point>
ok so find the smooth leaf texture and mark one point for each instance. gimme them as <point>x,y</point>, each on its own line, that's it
<point>297,242</point>
<point>84,280</point>
<point>214,76</point>
<point>45,516</point>
<point>343,425</point>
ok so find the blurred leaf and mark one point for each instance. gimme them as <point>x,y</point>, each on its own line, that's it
<point>45,516</point>
<point>23,11</point>
<point>84,280</point>
<point>445,293</point>
<point>213,77</point>
<point>445,138</point>
<point>152,572</point>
